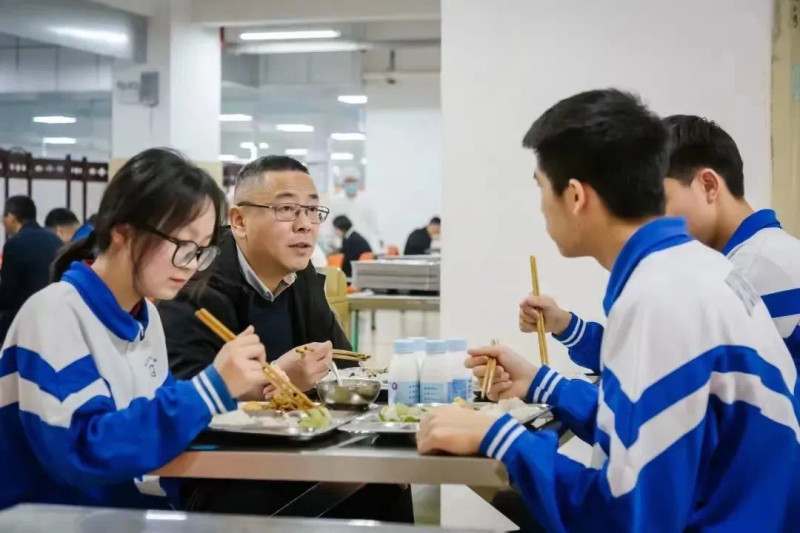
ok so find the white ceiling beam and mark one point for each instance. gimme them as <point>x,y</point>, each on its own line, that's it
<point>277,12</point>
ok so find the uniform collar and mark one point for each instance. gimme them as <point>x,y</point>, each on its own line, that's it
<point>105,307</point>
<point>759,220</point>
<point>654,236</point>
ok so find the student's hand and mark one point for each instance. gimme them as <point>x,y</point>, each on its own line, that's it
<point>240,363</point>
<point>306,369</point>
<point>454,430</point>
<point>531,308</point>
<point>513,375</point>
<point>269,391</point>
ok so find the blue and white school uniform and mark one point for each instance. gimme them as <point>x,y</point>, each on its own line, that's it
<point>87,402</point>
<point>695,424</point>
<point>766,255</point>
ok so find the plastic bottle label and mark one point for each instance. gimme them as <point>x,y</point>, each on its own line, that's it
<point>434,392</point>
<point>406,392</point>
<point>461,388</point>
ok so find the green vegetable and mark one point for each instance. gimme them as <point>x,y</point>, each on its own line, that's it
<point>316,418</point>
<point>401,413</point>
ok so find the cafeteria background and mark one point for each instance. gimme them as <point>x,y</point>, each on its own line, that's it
<point>420,103</point>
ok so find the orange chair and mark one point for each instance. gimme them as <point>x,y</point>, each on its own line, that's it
<point>366,256</point>
<point>336,260</point>
<point>392,251</point>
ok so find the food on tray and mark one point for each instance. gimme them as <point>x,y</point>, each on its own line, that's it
<point>365,373</point>
<point>514,406</point>
<point>316,418</point>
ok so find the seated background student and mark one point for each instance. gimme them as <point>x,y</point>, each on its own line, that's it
<point>263,277</point>
<point>89,402</point>
<point>420,240</point>
<point>27,255</point>
<point>694,376</point>
<point>705,184</point>
<point>62,222</point>
<point>353,243</point>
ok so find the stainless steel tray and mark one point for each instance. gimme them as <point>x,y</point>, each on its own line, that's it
<point>370,423</point>
<point>289,430</point>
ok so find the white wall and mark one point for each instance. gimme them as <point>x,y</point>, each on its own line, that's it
<point>404,156</point>
<point>505,62</point>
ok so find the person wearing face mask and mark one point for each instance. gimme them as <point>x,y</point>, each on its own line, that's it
<point>262,277</point>
<point>421,240</point>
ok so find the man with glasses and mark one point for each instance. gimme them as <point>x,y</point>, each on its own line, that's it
<point>263,277</point>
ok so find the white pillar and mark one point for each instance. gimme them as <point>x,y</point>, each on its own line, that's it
<point>187,59</point>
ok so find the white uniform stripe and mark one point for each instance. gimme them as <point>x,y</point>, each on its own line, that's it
<point>574,331</point>
<point>581,331</point>
<point>550,374</point>
<point>201,391</point>
<point>212,392</point>
<point>499,437</point>
<point>509,441</point>
<point>551,388</point>
<point>50,409</point>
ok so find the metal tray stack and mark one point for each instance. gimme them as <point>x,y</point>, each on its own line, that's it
<point>409,273</point>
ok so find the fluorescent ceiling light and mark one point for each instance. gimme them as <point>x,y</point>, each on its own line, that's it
<point>296,151</point>
<point>295,128</point>
<point>55,119</point>
<point>59,140</point>
<point>288,35</point>
<point>247,144</point>
<point>235,117</point>
<point>299,47</point>
<point>355,136</point>
<point>228,158</point>
<point>110,37</point>
<point>263,146</point>
<point>342,156</point>
<point>353,98</point>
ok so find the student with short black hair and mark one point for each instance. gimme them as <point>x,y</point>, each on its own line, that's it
<point>694,377</point>
<point>27,255</point>
<point>62,222</point>
<point>704,184</point>
<point>354,245</point>
<point>88,405</point>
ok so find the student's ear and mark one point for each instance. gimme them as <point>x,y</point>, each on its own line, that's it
<point>576,196</point>
<point>710,182</point>
<point>120,234</point>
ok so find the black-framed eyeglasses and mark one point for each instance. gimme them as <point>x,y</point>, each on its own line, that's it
<point>290,211</point>
<point>185,251</point>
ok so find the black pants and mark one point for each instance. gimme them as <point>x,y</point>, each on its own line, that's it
<point>389,503</point>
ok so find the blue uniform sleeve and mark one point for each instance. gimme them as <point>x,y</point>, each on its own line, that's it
<point>583,340</point>
<point>83,440</point>
<point>574,401</point>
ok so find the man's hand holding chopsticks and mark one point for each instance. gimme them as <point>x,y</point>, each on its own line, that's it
<point>306,365</point>
<point>240,363</point>
<point>513,374</point>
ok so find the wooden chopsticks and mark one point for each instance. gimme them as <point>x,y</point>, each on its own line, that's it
<point>283,385</point>
<point>491,365</point>
<point>545,360</point>
<point>350,356</point>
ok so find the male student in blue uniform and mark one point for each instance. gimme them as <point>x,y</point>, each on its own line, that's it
<point>694,376</point>
<point>705,184</point>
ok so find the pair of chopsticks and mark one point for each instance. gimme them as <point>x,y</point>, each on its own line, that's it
<point>543,357</point>
<point>347,355</point>
<point>284,386</point>
<point>491,365</point>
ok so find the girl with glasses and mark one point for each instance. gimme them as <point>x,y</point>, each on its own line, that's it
<point>87,403</point>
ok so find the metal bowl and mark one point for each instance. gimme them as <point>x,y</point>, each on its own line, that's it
<point>351,394</point>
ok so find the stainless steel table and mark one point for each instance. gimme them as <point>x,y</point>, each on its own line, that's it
<point>64,519</point>
<point>374,302</point>
<point>340,458</point>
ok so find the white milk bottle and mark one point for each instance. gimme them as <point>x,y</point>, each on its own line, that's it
<point>460,376</point>
<point>434,381</point>
<point>403,374</point>
<point>419,349</point>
